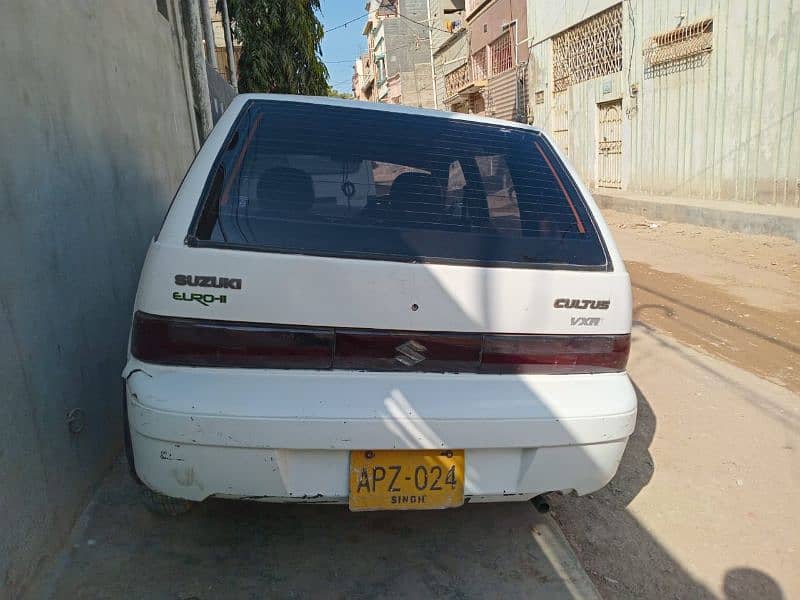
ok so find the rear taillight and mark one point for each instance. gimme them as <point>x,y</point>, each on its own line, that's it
<point>206,343</point>
<point>398,351</point>
<point>202,343</point>
<point>554,353</point>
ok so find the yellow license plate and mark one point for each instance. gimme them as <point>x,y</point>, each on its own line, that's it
<point>406,479</point>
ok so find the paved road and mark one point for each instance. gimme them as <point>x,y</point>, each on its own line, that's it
<point>237,550</point>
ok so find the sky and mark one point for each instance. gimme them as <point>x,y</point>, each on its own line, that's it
<point>341,46</point>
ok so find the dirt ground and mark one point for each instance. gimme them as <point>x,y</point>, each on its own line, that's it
<point>733,295</point>
<point>705,501</point>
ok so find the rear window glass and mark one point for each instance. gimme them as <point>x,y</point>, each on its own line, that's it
<point>337,181</point>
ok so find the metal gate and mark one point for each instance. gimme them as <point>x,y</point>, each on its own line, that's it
<point>560,120</point>
<point>609,144</point>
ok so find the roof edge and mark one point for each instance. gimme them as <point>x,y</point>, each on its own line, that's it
<point>385,107</point>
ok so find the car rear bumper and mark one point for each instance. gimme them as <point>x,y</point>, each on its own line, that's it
<point>287,435</point>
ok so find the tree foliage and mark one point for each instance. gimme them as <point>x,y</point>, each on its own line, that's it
<point>334,93</point>
<point>280,46</point>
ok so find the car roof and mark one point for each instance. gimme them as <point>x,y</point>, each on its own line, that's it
<point>382,107</point>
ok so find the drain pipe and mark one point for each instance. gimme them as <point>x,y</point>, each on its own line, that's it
<point>197,67</point>
<point>226,26</point>
<point>208,34</point>
<point>433,70</point>
<point>541,504</point>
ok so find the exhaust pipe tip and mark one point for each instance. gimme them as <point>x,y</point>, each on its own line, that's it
<point>541,504</point>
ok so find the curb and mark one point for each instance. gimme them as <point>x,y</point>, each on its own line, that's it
<point>719,218</point>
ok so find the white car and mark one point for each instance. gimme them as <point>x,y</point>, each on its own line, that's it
<point>388,307</point>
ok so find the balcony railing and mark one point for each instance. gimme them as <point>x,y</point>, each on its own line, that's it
<point>464,80</point>
<point>457,79</point>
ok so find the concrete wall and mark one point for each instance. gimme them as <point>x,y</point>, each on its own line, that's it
<point>725,129</point>
<point>96,135</point>
<point>220,92</point>
<point>408,52</point>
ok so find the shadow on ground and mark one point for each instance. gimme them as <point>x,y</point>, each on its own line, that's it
<point>622,558</point>
<point>252,550</point>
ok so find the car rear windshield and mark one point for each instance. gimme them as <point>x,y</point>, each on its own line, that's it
<point>331,180</point>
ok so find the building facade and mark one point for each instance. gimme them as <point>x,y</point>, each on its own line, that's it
<point>488,73</point>
<point>399,49</point>
<point>450,64</point>
<point>363,81</point>
<point>697,100</point>
<point>449,43</point>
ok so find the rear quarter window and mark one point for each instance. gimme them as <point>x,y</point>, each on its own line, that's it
<point>299,177</point>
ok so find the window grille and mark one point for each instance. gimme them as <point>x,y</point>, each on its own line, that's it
<point>502,57</point>
<point>682,48</point>
<point>479,67</point>
<point>592,48</point>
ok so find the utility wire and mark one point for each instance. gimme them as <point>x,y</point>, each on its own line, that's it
<point>346,23</point>
<point>422,24</point>
<point>353,20</point>
<point>348,80</point>
<point>399,14</point>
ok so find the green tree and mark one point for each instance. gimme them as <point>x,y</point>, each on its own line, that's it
<point>334,93</point>
<point>280,46</point>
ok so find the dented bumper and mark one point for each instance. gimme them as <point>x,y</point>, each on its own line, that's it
<point>287,435</point>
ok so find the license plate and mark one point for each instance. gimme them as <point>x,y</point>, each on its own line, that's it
<point>406,479</point>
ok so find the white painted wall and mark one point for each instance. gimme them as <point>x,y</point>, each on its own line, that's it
<point>727,130</point>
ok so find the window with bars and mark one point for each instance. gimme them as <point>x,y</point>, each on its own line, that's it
<point>683,47</point>
<point>592,48</point>
<point>479,66</point>
<point>502,56</point>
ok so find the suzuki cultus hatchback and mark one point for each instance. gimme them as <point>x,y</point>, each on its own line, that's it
<point>381,306</point>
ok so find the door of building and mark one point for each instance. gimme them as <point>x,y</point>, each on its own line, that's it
<point>609,144</point>
<point>560,120</point>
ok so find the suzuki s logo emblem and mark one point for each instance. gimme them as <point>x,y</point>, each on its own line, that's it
<point>410,353</point>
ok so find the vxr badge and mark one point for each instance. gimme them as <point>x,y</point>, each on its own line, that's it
<point>585,321</point>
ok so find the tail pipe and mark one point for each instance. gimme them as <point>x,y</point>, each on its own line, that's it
<point>541,504</point>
